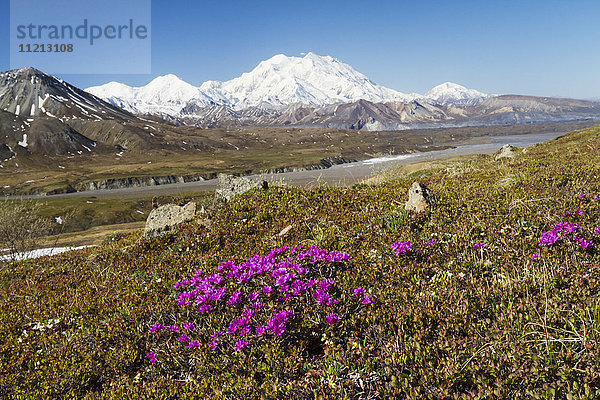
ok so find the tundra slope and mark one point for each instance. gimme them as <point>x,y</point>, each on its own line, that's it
<point>476,307</point>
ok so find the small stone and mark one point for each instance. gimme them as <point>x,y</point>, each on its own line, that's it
<point>229,186</point>
<point>168,216</point>
<point>507,151</point>
<point>420,198</point>
<point>285,230</point>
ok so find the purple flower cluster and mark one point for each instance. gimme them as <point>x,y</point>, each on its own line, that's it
<point>277,324</point>
<point>401,247</point>
<point>240,344</point>
<point>359,291</point>
<point>151,356</point>
<point>579,211</point>
<point>265,292</point>
<point>188,326</point>
<point>183,339</point>
<point>156,327</point>
<point>478,246</point>
<point>566,229</point>
<point>548,238</point>
<point>332,318</point>
<point>583,242</point>
<point>287,277</point>
<point>314,254</point>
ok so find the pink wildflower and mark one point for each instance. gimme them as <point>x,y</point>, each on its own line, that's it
<point>156,327</point>
<point>332,319</point>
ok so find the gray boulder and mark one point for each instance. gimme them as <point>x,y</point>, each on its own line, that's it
<point>507,151</point>
<point>229,186</point>
<point>420,198</point>
<point>167,216</point>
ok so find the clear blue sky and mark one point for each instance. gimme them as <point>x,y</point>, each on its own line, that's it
<point>528,47</point>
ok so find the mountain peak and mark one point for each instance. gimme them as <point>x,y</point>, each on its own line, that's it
<point>168,79</point>
<point>27,71</point>
<point>453,93</point>
<point>313,56</point>
<point>447,85</point>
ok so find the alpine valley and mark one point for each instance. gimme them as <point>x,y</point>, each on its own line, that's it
<point>288,113</point>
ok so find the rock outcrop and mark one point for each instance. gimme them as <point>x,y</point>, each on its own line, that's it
<point>167,216</point>
<point>420,198</point>
<point>120,183</point>
<point>229,186</point>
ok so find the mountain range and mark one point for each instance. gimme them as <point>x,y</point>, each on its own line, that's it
<point>276,83</point>
<point>321,91</point>
<point>45,115</point>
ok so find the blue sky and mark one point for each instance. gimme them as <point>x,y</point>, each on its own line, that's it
<point>548,48</point>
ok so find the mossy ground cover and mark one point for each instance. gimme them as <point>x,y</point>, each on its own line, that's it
<point>477,308</point>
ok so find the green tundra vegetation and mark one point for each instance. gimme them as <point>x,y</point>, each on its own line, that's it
<point>333,293</point>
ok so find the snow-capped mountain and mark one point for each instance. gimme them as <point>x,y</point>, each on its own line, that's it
<point>41,115</point>
<point>164,95</point>
<point>450,93</point>
<point>280,81</point>
<point>311,80</point>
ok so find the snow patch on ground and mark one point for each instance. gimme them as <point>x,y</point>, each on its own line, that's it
<point>50,251</point>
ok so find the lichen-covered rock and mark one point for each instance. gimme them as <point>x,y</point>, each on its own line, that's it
<point>167,216</point>
<point>420,198</point>
<point>507,151</point>
<point>229,186</point>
